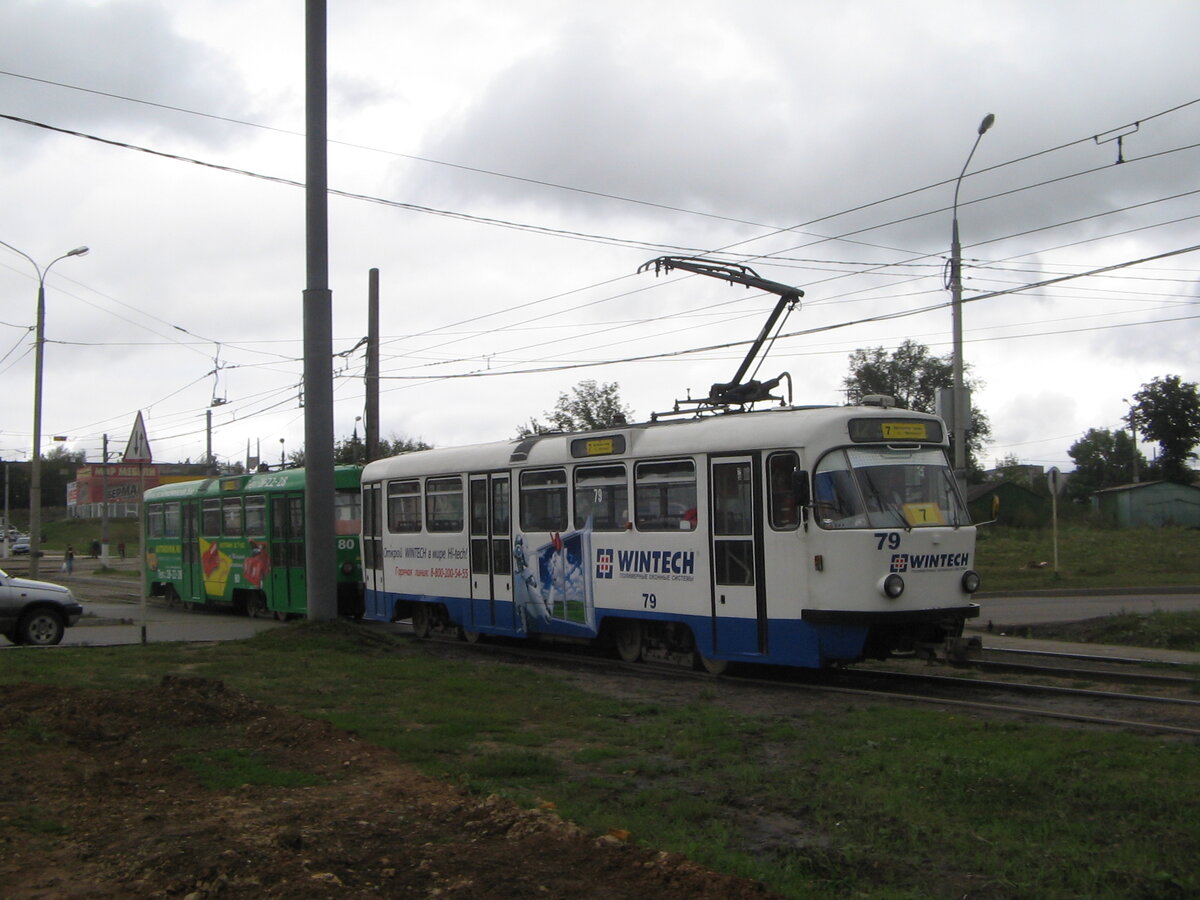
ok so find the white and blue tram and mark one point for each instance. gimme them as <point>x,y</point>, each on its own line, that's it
<point>799,536</point>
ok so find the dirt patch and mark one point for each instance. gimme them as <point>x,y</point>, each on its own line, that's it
<point>107,804</point>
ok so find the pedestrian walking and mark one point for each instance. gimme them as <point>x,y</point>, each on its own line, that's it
<point>69,559</point>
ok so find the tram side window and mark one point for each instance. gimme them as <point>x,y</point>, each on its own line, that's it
<point>210,518</point>
<point>781,469</point>
<point>665,495</point>
<point>347,511</point>
<point>231,516</point>
<point>171,519</point>
<point>444,504</point>
<point>256,516</point>
<point>544,500</point>
<point>154,521</point>
<point>404,507</point>
<point>602,493</point>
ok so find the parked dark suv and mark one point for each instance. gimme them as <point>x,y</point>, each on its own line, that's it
<point>35,612</point>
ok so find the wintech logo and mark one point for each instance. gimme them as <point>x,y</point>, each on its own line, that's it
<point>604,563</point>
<point>929,562</point>
<point>661,565</point>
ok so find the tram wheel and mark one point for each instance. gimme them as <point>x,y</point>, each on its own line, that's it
<point>422,620</point>
<point>471,637</point>
<point>700,662</point>
<point>627,640</point>
<point>256,607</point>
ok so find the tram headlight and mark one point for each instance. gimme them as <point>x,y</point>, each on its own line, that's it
<point>970,581</point>
<point>892,586</point>
<point>347,568</point>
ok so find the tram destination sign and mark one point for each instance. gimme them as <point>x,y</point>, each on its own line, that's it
<point>925,431</point>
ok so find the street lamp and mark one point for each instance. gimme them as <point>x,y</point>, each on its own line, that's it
<point>35,464</point>
<point>961,405</point>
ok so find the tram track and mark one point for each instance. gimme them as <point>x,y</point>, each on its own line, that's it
<point>1149,713</point>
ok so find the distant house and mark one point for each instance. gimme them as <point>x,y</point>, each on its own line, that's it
<point>1153,503</point>
<point>1019,505</point>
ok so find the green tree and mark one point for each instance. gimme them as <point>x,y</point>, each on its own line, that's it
<point>1167,410</point>
<point>588,406</point>
<point>1103,459</point>
<point>913,376</point>
<point>58,470</point>
<point>352,450</point>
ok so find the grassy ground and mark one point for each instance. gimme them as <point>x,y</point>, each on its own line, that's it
<point>1023,559</point>
<point>838,800</point>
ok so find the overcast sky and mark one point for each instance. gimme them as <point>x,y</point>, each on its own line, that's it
<point>509,166</point>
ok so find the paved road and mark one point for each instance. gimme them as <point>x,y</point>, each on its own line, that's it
<point>1040,609</point>
<point>110,623</point>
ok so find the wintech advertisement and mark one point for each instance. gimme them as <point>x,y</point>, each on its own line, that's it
<point>552,584</point>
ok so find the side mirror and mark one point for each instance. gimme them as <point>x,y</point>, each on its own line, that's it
<point>801,489</point>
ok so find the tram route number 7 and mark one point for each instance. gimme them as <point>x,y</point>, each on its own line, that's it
<point>891,538</point>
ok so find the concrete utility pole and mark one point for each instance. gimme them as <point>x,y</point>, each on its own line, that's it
<point>104,503</point>
<point>320,554</point>
<point>371,410</point>
<point>35,463</point>
<point>962,403</point>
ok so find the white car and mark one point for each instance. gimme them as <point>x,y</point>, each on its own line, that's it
<point>20,545</point>
<point>35,612</point>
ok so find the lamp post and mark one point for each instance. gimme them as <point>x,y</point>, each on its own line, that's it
<point>35,463</point>
<point>961,405</point>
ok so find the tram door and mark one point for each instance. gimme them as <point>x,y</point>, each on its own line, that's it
<point>192,583</point>
<point>286,539</point>
<point>372,550</point>
<point>739,602</point>
<point>491,551</point>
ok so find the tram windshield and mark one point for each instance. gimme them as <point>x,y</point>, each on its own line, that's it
<point>886,487</point>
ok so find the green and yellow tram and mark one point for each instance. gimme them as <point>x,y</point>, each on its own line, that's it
<point>238,541</point>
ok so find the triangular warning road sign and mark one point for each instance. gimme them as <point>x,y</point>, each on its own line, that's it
<point>138,448</point>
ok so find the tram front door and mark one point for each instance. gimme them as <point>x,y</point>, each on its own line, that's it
<point>739,599</point>
<point>192,583</point>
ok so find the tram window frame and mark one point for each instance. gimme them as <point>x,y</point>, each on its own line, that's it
<point>255,512</point>
<point>210,517</point>
<point>544,499</point>
<point>155,516</point>
<point>661,486</point>
<point>784,511</point>
<point>172,518</point>
<point>231,517</point>
<point>444,504</point>
<point>404,507</point>
<point>611,495</point>
<point>733,499</point>
<point>347,511</point>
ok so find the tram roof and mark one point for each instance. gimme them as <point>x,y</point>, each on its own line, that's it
<point>727,433</point>
<point>265,482</point>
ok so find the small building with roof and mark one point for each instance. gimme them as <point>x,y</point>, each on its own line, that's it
<point>1153,503</point>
